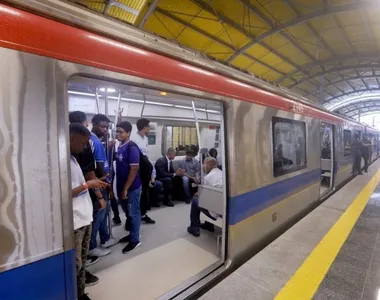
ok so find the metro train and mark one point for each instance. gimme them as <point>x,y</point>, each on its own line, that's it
<point>280,155</point>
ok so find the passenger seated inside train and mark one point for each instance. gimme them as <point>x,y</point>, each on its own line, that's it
<point>191,173</point>
<point>213,178</point>
<point>166,174</point>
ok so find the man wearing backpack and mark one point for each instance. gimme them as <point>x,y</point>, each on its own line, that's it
<point>128,183</point>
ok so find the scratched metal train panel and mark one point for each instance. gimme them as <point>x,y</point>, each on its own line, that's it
<point>30,211</point>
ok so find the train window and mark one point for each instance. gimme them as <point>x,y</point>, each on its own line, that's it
<point>347,141</point>
<point>289,146</point>
<point>179,138</point>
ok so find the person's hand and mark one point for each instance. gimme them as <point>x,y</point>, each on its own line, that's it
<point>152,183</point>
<point>96,184</point>
<point>111,143</point>
<point>124,194</point>
<point>102,203</point>
<point>196,180</point>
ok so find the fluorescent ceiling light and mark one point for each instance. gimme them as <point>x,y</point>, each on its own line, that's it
<point>109,90</point>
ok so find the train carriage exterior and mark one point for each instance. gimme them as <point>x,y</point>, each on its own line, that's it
<point>39,56</point>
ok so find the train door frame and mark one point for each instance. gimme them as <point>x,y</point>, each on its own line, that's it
<point>331,173</point>
<point>66,71</point>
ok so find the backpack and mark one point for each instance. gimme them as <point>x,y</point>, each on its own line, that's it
<point>145,166</point>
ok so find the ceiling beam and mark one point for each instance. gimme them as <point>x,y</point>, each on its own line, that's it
<point>269,22</point>
<point>353,92</point>
<point>119,5</point>
<point>370,56</point>
<point>333,60</point>
<point>353,107</point>
<point>324,11</point>
<point>337,69</point>
<point>148,13</point>
<point>346,80</point>
<point>207,7</point>
<point>213,38</point>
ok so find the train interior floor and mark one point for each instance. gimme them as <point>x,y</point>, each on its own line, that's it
<point>332,253</point>
<point>167,258</point>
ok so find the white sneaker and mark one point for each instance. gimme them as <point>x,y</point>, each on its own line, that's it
<point>111,242</point>
<point>99,252</point>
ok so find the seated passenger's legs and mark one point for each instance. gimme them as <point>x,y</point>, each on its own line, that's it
<point>166,182</point>
<point>195,223</point>
<point>186,181</point>
<point>155,192</point>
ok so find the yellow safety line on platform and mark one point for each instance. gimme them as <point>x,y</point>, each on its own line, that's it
<point>305,282</point>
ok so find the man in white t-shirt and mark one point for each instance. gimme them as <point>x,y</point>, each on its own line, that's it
<point>141,139</point>
<point>213,178</point>
<point>82,204</point>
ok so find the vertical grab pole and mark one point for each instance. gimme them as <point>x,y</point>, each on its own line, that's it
<point>142,109</point>
<point>198,137</point>
<point>111,156</point>
<point>108,160</point>
<point>97,100</point>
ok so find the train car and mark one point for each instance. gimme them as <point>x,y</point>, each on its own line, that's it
<point>280,155</point>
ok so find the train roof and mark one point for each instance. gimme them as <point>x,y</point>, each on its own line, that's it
<point>154,58</point>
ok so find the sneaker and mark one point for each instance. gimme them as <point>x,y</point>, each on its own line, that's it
<point>91,260</point>
<point>169,203</point>
<point>116,221</point>
<point>84,297</point>
<point>126,239</point>
<point>147,220</point>
<point>99,252</point>
<point>91,279</point>
<point>130,247</point>
<point>111,242</point>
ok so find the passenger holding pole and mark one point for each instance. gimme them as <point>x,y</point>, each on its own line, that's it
<point>100,126</point>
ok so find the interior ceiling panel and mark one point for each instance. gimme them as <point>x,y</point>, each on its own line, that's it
<point>318,48</point>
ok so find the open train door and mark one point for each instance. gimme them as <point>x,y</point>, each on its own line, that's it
<point>327,158</point>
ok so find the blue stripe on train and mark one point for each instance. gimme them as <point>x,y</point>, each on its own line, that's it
<point>52,278</point>
<point>245,205</point>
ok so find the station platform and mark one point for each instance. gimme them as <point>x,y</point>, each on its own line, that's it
<point>332,253</point>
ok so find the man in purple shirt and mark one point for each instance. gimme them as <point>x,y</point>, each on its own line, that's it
<point>128,183</point>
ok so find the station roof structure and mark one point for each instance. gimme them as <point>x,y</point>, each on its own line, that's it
<point>325,50</point>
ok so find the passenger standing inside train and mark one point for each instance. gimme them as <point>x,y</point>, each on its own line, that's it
<point>87,164</point>
<point>82,204</point>
<point>128,183</point>
<point>165,173</point>
<point>191,175</point>
<point>366,151</point>
<point>357,146</point>
<point>146,171</point>
<point>100,126</point>
<point>213,178</point>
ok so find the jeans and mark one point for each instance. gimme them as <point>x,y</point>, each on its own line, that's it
<point>195,213</point>
<point>100,224</point>
<point>131,207</point>
<point>186,181</point>
<point>115,207</point>
<point>155,191</point>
